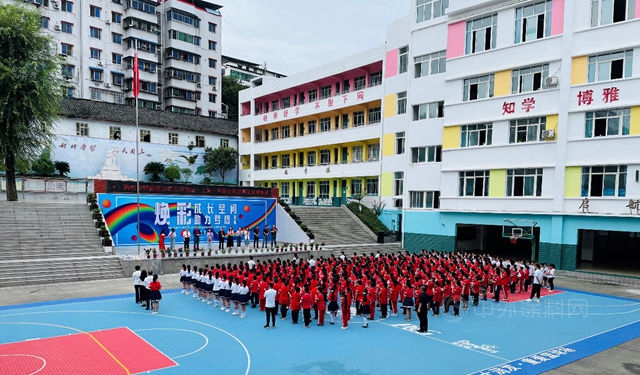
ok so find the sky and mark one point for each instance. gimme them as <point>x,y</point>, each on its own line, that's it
<point>292,36</point>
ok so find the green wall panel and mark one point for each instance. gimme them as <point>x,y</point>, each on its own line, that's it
<point>414,242</point>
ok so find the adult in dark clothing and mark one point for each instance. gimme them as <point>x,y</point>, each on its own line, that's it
<point>265,235</point>
<point>256,236</point>
<point>423,310</point>
<point>220,238</point>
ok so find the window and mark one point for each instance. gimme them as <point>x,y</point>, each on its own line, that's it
<point>286,131</point>
<point>96,74</point>
<point>285,160</point>
<point>66,6</point>
<point>427,154</point>
<point>311,189</point>
<point>115,133</point>
<point>116,17</point>
<point>66,27</point>
<point>224,142</point>
<point>604,181</point>
<point>607,123</point>
<point>116,58</point>
<point>400,143</point>
<point>69,92</point>
<point>67,71</point>
<point>116,79</point>
<point>529,79</point>
<point>116,38</point>
<point>474,184</point>
<point>428,110</point>
<point>359,82</point>
<point>94,11</point>
<point>325,92</point>
<point>357,154</point>
<point>428,9</point>
<point>372,186</point>
<point>478,88</point>
<point>358,118</point>
<point>312,126</point>
<point>82,129</point>
<point>275,132</point>
<point>95,93</point>
<point>173,138</point>
<point>403,59</point>
<point>212,45</point>
<point>266,162</point>
<point>433,63</point>
<point>286,102</point>
<point>301,129</point>
<point>325,124</point>
<point>145,135</point>
<point>213,63</point>
<point>375,79</point>
<point>604,12</point>
<point>375,115</point>
<point>526,130</point>
<point>323,192</point>
<point>212,98</point>
<point>373,152</point>
<point>345,121</point>
<point>66,49</point>
<point>524,182</point>
<point>475,135</point>
<point>325,157</point>
<point>610,66</point>
<point>313,95</point>
<point>402,102</point>
<point>398,183</point>
<point>200,142</point>
<point>212,27</point>
<point>424,199</point>
<point>274,161</point>
<point>44,22</point>
<point>284,189</point>
<point>345,86</point>
<point>94,32</point>
<point>95,53</point>
<point>481,34</point>
<point>533,21</point>
<point>356,187</point>
<point>311,158</point>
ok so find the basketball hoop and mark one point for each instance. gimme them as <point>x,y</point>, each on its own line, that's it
<point>513,238</point>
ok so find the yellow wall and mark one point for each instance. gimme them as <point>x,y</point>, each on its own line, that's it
<point>386,180</point>
<point>388,144</point>
<point>579,70</point>
<point>246,135</point>
<point>634,127</point>
<point>502,85</point>
<point>450,137</point>
<point>390,105</point>
<point>497,182</point>
<point>246,162</point>
<point>552,124</point>
<point>572,178</point>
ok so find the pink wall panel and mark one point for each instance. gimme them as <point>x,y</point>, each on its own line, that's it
<point>391,63</point>
<point>637,9</point>
<point>455,39</point>
<point>557,17</point>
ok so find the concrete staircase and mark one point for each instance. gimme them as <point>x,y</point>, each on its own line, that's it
<point>44,242</point>
<point>334,225</point>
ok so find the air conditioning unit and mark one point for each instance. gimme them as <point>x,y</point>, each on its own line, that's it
<point>214,88</point>
<point>549,133</point>
<point>198,85</point>
<point>108,22</point>
<point>56,27</point>
<point>56,5</point>
<point>551,81</point>
<point>107,84</point>
<point>100,63</point>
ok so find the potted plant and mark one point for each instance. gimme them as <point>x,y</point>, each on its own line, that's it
<point>106,241</point>
<point>148,251</point>
<point>209,252</point>
<point>186,252</point>
<point>163,253</point>
<point>202,252</point>
<point>96,214</point>
<point>321,245</point>
<point>180,251</point>
<point>155,252</point>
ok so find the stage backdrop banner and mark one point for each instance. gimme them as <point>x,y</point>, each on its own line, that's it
<point>163,212</point>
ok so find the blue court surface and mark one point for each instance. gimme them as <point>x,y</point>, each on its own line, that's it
<point>492,338</point>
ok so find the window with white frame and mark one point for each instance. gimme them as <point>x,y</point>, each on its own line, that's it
<point>402,102</point>
<point>311,158</point>
<point>284,189</point>
<point>145,135</point>
<point>372,186</point>
<point>358,118</point>
<point>398,183</point>
<point>360,82</point>
<point>325,124</point>
<point>311,125</point>
<point>375,115</point>
<point>426,154</point>
<point>529,78</point>
<point>96,74</point>
<point>275,105</point>
<point>94,11</point>
<point>604,12</point>
<point>274,161</point>
<point>475,135</point>
<point>433,63</point>
<point>478,87</point>
<point>424,199</point>
<point>313,95</point>
<point>481,34</point>
<point>604,181</point>
<point>301,129</point>
<point>95,32</point>
<point>173,138</point>
<point>524,182</point>
<point>224,142</point>
<point>311,189</point>
<point>200,142</point>
<point>95,53</point>
<point>285,160</point>
<point>400,140</point>
<point>325,157</point>
<point>607,123</point>
<point>533,21</point>
<point>375,79</point>
<point>82,129</point>
<point>286,131</point>
<point>373,152</point>
<point>356,186</point>
<point>403,59</point>
<point>357,154</point>
<point>428,9</point>
<point>115,133</point>
<point>526,129</point>
<point>474,184</point>
<point>610,66</point>
<point>275,133</point>
<point>323,189</point>
<point>428,110</point>
<point>325,92</point>
<point>286,102</point>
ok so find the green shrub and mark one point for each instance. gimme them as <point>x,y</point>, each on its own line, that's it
<point>368,217</point>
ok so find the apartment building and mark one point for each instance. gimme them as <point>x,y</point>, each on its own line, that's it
<point>245,71</point>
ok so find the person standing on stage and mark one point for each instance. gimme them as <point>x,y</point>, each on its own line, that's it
<point>274,233</point>
<point>221,235</point>
<point>209,238</point>
<point>256,237</point>
<point>172,238</point>
<point>196,238</point>
<point>265,235</point>
<point>186,235</point>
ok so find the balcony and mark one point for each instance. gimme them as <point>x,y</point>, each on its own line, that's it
<point>329,171</point>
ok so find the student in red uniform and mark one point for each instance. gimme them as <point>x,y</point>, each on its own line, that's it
<point>371,300</point>
<point>407,298</point>
<point>322,308</point>
<point>395,294</point>
<point>345,303</point>
<point>283,299</point>
<point>295,305</point>
<point>383,300</point>
<point>475,290</point>
<point>333,303</point>
<point>437,300</point>
<point>307,304</point>
<point>456,295</point>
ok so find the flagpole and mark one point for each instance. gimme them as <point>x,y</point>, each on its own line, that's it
<point>136,84</point>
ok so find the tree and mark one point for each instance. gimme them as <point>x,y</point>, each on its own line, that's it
<point>62,167</point>
<point>230,89</point>
<point>30,95</point>
<point>186,173</point>
<point>155,169</point>
<point>172,173</point>
<point>43,165</point>
<point>220,160</point>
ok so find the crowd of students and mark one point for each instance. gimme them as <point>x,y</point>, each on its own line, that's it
<point>376,284</point>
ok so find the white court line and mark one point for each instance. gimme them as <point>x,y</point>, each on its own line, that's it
<point>206,339</point>
<point>138,313</point>
<point>44,362</point>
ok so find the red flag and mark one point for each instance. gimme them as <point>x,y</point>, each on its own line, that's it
<point>135,84</point>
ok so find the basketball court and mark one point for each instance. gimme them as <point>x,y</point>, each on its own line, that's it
<point>113,335</point>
